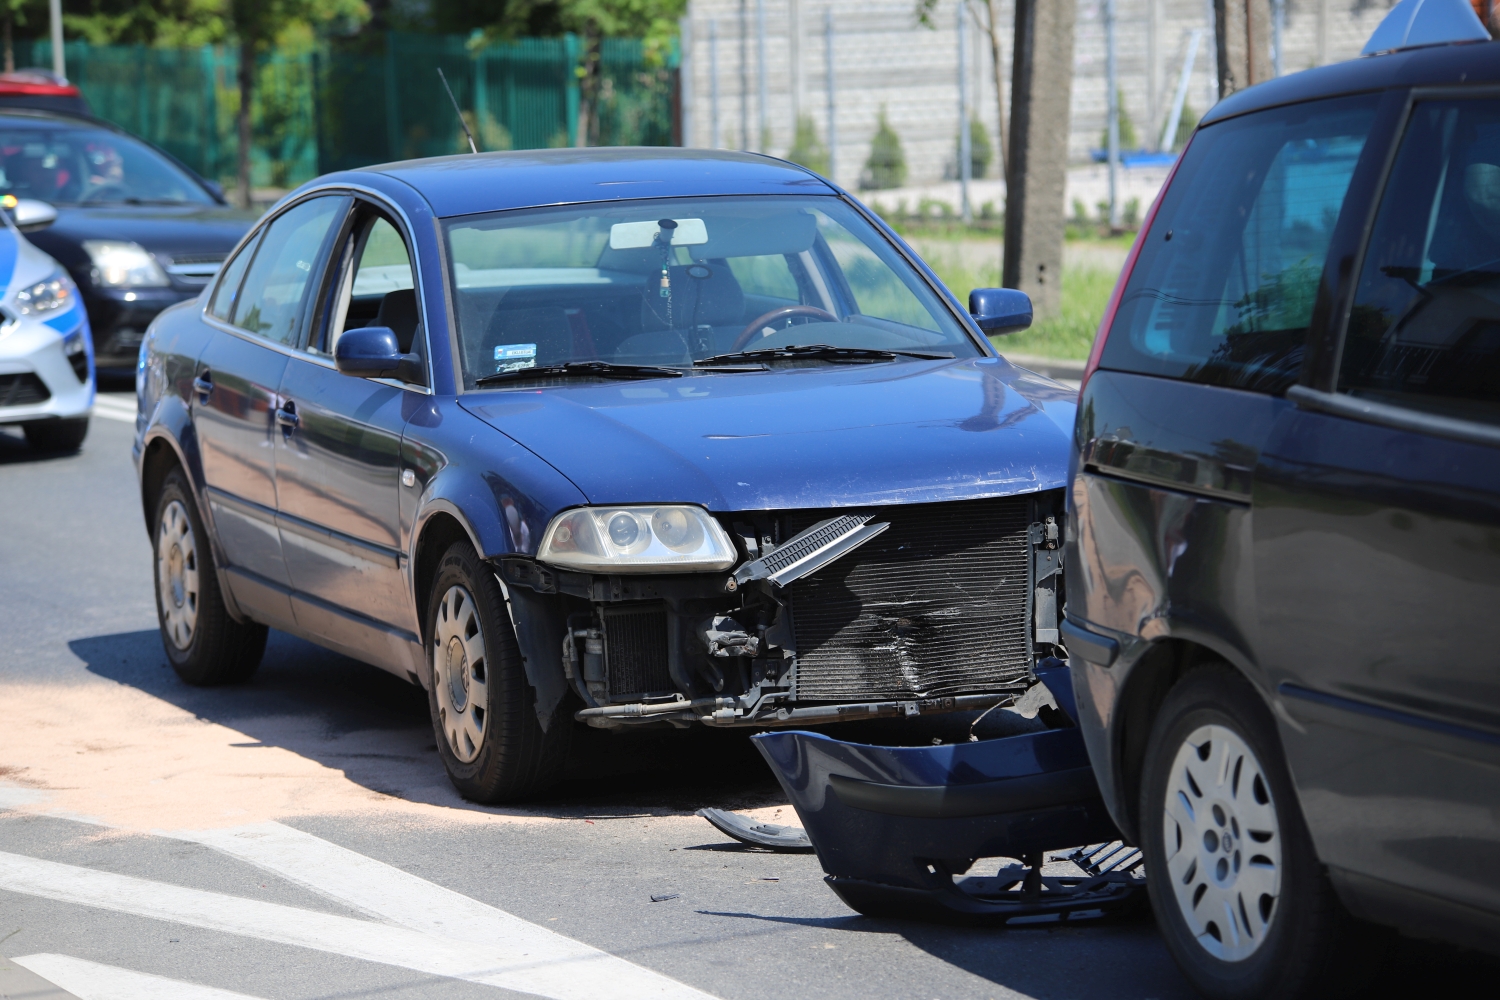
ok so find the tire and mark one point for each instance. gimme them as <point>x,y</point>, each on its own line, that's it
<point>483,710</point>
<point>57,435</point>
<point>204,645</point>
<point>1240,897</point>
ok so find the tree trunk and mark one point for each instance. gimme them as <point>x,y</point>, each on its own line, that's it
<point>242,119</point>
<point>1002,138</point>
<point>10,50</point>
<point>588,90</point>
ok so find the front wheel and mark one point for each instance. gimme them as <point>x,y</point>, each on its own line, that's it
<point>1245,906</point>
<point>483,710</point>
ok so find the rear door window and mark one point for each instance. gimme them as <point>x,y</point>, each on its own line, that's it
<point>1425,328</point>
<point>1224,287</point>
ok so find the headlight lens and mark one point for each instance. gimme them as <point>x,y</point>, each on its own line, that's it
<point>118,264</point>
<point>666,539</point>
<point>52,294</point>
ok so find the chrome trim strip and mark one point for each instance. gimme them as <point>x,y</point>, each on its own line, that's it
<point>1169,485</point>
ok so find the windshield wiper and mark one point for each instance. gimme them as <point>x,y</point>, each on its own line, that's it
<point>822,352</point>
<point>581,369</point>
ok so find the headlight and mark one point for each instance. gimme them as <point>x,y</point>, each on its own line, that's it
<point>124,265</point>
<point>675,539</point>
<point>52,294</point>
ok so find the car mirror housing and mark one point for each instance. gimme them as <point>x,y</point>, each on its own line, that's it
<point>1000,310</point>
<point>30,214</point>
<point>372,352</point>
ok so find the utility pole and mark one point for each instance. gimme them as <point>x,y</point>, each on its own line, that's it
<point>685,89</point>
<point>716,139</point>
<point>794,53</point>
<point>833,121</point>
<point>1153,66</point>
<point>1037,169</point>
<point>1278,35</point>
<point>744,75</point>
<point>1322,32</point>
<point>59,64</point>
<point>965,152</point>
<point>1243,34</point>
<point>1112,81</point>
<point>763,139</point>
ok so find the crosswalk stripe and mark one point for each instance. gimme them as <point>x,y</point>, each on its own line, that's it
<point>579,976</point>
<point>386,892</point>
<point>112,414</point>
<point>92,981</point>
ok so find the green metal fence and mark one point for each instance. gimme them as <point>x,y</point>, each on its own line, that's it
<point>335,107</point>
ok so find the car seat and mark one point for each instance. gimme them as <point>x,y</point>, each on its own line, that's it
<point>705,313</point>
<point>398,310</point>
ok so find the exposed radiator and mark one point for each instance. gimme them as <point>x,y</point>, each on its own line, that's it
<point>635,652</point>
<point>934,606</point>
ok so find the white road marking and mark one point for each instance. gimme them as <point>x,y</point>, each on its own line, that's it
<point>113,408</point>
<point>92,981</point>
<point>575,973</point>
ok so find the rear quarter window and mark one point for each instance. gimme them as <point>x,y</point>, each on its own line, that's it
<point>1224,287</point>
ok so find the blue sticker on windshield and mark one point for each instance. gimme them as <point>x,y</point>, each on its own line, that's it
<point>514,357</point>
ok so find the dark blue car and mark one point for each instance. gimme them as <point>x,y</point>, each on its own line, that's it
<point>616,437</point>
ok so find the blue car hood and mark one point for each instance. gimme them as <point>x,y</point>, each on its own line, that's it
<point>825,436</point>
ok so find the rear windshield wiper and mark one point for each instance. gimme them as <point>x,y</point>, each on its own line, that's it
<point>581,369</point>
<point>822,352</point>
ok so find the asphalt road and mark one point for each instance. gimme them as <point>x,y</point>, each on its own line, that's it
<point>295,837</point>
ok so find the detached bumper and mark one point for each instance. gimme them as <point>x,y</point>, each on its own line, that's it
<point>893,826</point>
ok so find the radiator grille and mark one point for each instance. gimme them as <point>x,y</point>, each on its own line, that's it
<point>934,606</point>
<point>635,652</point>
<point>23,389</point>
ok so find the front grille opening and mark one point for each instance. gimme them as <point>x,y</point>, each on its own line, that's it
<point>23,389</point>
<point>635,652</point>
<point>934,606</point>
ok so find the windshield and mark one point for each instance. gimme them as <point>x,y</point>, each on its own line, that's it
<point>675,281</point>
<point>88,166</point>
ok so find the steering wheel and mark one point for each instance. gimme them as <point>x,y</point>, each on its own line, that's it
<point>100,189</point>
<point>785,312</point>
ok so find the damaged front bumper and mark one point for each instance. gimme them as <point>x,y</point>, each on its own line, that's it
<point>896,828</point>
<point>888,612</point>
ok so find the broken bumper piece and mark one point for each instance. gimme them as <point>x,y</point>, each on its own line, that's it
<point>896,828</point>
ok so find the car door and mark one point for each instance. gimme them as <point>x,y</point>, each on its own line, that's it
<point>1378,537</point>
<point>257,312</point>
<point>338,458</point>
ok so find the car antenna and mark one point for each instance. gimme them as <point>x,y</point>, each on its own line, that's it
<point>472,148</point>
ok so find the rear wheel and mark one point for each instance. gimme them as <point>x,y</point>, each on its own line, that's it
<point>1245,906</point>
<point>483,710</point>
<point>204,645</point>
<point>57,435</point>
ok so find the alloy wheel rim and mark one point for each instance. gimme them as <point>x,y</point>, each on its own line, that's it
<point>1222,843</point>
<point>177,574</point>
<point>459,674</point>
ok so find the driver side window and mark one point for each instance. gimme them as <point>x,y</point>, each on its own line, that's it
<point>372,284</point>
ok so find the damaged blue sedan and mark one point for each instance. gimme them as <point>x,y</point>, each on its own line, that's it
<point>606,437</point>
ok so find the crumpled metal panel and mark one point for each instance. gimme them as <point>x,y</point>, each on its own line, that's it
<point>934,606</point>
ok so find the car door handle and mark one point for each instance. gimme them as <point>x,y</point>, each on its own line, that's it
<point>286,415</point>
<point>203,385</point>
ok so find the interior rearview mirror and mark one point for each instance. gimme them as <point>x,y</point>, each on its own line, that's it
<point>1000,310</point>
<point>372,352</point>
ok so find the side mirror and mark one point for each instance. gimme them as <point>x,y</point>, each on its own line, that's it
<point>371,352</point>
<point>30,214</point>
<point>1000,310</point>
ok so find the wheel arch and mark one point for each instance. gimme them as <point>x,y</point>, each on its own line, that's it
<point>440,527</point>
<point>1154,673</point>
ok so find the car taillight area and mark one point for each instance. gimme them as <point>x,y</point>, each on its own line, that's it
<point>938,607</point>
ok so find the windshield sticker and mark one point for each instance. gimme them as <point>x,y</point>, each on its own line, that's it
<point>514,357</point>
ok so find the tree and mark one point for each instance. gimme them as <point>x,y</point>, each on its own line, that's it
<point>655,21</point>
<point>980,151</point>
<point>807,148</point>
<point>987,14</point>
<point>1128,140</point>
<point>886,167</point>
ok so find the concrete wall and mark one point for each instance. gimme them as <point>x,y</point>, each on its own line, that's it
<point>884,59</point>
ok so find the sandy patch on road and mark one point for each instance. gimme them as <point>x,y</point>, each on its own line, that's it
<point>114,755</point>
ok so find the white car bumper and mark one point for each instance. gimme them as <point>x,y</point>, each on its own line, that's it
<point>37,378</point>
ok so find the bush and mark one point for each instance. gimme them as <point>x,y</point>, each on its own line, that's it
<point>1128,139</point>
<point>980,151</point>
<point>1185,126</point>
<point>886,167</point>
<point>807,149</point>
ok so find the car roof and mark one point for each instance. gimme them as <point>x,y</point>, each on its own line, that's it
<point>1454,64</point>
<point>48,118</point>
<point>491,182</point>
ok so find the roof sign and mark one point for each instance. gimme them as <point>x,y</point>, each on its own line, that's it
<point>1426,22</point>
